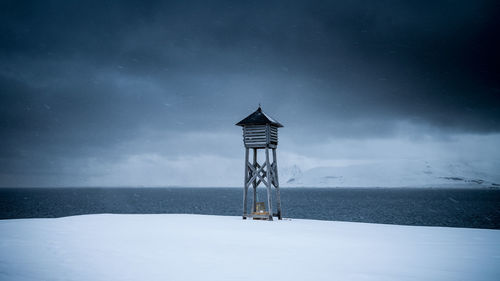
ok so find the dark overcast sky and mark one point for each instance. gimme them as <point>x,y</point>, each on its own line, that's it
<point>89,85</point>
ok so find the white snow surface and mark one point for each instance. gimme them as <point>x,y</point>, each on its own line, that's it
<point>197,247</point>
<point>397,173</point>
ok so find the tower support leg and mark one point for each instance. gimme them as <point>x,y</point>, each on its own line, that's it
<point>276,183</point>
<point>245,191</point>
<point>268,183</point>
<point>254,206</point>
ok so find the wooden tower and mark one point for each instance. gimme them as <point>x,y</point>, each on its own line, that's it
<point>260,132</point>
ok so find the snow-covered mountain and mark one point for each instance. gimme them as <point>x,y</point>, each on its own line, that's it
<point>396,173</point>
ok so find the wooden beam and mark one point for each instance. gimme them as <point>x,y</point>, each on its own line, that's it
<point>246,185</point>
<point>251,167</point>
<point>257,145</point>
<point>277,184</point>
<point>254,183</point>
<point>268,184</point>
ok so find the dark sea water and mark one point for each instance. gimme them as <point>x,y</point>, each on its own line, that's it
<point>407,206</point>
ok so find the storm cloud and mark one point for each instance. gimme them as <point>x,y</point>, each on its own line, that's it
<point>87,87</point>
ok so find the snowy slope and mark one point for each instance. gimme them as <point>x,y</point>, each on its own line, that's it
<point>397,173</point>
<point>195,247</point>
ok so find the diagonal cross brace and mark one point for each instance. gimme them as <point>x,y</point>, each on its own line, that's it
<point>274,173</point>
<point>257,173</point>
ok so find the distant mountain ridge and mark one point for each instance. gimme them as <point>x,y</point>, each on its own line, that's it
<point>396,173</point>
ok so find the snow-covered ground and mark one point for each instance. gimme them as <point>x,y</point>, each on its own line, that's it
<point>196,247</point>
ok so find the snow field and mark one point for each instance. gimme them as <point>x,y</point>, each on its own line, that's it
<point>197,247</point>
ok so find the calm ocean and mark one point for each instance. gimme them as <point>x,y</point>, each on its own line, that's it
<point>407,206</point>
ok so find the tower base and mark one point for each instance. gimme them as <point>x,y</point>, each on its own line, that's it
<point>267,174</point>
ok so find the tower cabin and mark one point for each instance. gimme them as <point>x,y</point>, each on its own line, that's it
<point>260,132</point>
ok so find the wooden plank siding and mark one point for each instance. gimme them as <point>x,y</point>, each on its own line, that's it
<point>260,136</point>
